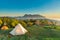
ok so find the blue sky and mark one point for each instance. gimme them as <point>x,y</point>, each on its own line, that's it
<point>45,7</point>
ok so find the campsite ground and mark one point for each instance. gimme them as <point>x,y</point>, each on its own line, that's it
<point>34,33</point>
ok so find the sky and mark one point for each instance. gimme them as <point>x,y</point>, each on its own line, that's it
<point>48,8</point>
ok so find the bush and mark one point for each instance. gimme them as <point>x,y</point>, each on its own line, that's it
<point>29,24</point>
<point>23,23</point>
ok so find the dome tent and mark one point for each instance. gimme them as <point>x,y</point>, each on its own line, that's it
<point>4,27</point>
<point>18,30</point>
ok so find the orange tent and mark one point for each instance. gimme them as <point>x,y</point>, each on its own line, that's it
<point>4,27</point>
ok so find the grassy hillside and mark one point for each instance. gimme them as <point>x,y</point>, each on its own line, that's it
<point>34,33</point>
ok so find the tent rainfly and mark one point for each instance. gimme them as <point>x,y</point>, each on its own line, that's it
<point>18,30</point>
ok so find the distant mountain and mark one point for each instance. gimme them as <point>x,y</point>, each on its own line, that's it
<point>29,16</point>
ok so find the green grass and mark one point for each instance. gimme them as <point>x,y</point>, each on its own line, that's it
<point>34,33</point>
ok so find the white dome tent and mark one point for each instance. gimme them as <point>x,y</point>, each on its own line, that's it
<point>18,30</point>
